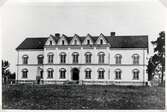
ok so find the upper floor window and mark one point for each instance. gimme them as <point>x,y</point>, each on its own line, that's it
<point>62,57</point>
<point>135,59</point>
<point>101,41</point>
<point>101,57</point>
<point>24,73</point>
<point>50,57</point>
<point>62,73</point>
<point>101,73</point>
<point>75,57</point>
<point>88,73</point>
<point>135,74</point>
<point>50,73</point>
<point>88,57</point>
<point>118,58</point>
<point>40,59</point>
<point>25,59</point>
<point>117,74</point>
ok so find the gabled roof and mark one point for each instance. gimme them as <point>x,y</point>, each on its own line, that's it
<point>33,43</point>
<point>137,41</point>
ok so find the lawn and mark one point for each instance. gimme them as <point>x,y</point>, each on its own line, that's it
<point>82,97</point>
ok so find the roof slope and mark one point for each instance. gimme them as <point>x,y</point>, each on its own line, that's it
<point>32,43</point>
<point>137,41</point>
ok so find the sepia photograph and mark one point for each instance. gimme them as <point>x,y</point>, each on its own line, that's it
<point>80,55</point>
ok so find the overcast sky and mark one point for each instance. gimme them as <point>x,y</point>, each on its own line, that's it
<point>22,19</point>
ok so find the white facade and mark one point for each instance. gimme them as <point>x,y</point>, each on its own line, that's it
<point>109,66</point>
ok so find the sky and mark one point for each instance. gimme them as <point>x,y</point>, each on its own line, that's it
<point>36,19</point>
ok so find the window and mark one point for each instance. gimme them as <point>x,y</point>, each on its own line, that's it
<point>75,57</point>
<point>136,74</point>
<point>41,74</point>
<point>62,42</point>
<point>118,74</point>
<point>75,42</point>
<point>24,73</point>
<point>88,57</point>
<point>40,59</point>
<point>50,73</point>
<point>50,57</point>
<point>101,41</point>
<point>101,73</point>
<point>62,57</point>
<point>118,58</point>
<point>135,59</point>
<point>50,43</point>
<point>88,42</point>
<point>62,73</point>
<point>101,57</point>
<point>88,73</point>
<point>25,59</point>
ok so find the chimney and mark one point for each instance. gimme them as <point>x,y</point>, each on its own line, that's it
<point>112,34</point>
<point>57,34</point>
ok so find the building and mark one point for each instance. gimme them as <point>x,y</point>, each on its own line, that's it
<point>104,60</point>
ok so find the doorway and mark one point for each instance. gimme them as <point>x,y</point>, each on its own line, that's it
<point>75,74</point>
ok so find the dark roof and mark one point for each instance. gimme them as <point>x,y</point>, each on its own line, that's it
<point>32,43</point>
<point>137,41</point>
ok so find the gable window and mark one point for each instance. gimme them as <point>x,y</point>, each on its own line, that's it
<point>50,57</point>
<point>62,73</point>
<point>101,57</point>
<point>101,41</point>
<point>101,73</point>
<point>75,42</point>
<point>24,73</point>
<point>62,57</point>
<point>135,74</point>
<point>50,42</point>
<point>118,58</point>
<point>40,59</point>
<point>50,73</point>
<point>88,73</point>
<point>117,74</point>
<point>88,42</point>
<point>88,57</point>
<point>62,42</point>
<point>75,57</point>
<point>25,59</point>
<point>135,59</point>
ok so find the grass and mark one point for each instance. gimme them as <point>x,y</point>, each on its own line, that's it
<point>82,97</point>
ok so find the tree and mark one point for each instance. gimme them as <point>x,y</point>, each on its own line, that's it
<point>5,71</point>
<point>159,51</point>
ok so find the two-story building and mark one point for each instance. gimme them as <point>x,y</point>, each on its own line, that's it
<point>105,60</point>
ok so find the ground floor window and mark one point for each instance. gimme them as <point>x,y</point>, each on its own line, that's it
<point>24,73</point>
<point>118,74</point>
<point>101,73</point>
<point>50,73</point>
<point>136,74</point>
<point>88,74</point>
<point>62,73</point>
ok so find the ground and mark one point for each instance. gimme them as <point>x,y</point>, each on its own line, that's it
<point>82,97</point>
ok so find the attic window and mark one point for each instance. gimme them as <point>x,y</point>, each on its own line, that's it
<point>50,42</point>
<point>75,42</point>
<point>101,41</point>
<point>88,42</point>
<point>62,42</point>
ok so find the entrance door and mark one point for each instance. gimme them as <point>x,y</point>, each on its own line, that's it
<point>75,74</point>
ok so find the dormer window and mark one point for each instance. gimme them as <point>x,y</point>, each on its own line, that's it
<point>50,42</point>
<point>62,42</point>
<point>75,42</point>
<point>101,41</point>
<point>88,42</point>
